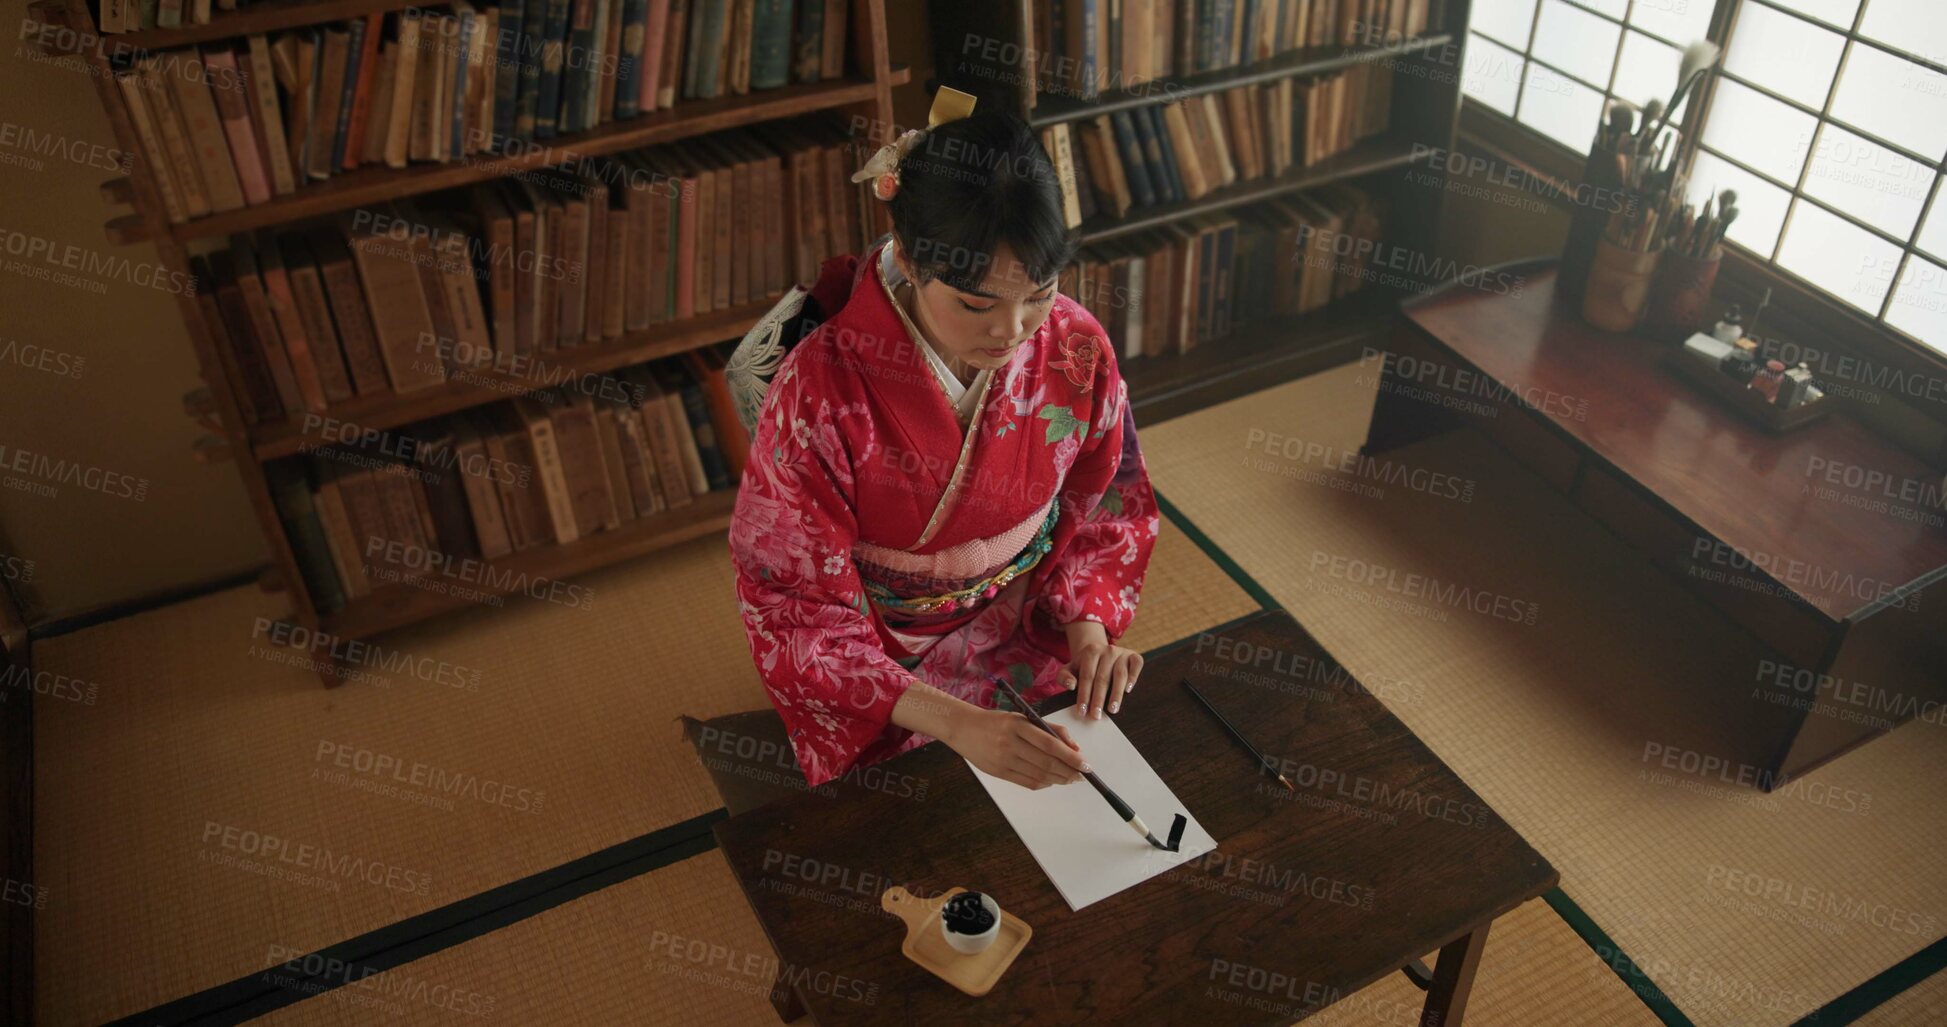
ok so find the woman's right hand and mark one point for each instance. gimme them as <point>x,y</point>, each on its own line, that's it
<point>1010,747</point>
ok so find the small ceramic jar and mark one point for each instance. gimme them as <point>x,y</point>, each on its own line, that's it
<point>970,921</point>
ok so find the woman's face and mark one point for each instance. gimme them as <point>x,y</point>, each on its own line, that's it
<point>983,327</point>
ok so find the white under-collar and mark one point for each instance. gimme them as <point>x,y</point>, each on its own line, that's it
<point>963,396</point>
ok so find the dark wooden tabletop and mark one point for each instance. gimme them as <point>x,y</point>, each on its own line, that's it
<point>1753,490</point>
<point>1381,855</point>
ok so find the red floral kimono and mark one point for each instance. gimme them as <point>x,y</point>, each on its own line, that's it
<point>876,541</point>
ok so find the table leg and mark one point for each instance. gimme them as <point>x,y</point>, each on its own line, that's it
<point>784,999</point>
<point>1402,412</point>
<point>1453,978</point>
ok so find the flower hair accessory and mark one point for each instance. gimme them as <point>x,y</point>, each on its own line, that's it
<point>949,104</point>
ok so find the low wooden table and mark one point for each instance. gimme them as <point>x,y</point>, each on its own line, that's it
<point>1381,855</point>
<point>1800,538</point>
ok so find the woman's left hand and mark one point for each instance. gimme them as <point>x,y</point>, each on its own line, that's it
<point>1099,671</point>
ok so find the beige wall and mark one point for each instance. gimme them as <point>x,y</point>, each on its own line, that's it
<point>121,414</point>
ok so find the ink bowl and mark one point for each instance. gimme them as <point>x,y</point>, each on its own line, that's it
<point>970,921</point>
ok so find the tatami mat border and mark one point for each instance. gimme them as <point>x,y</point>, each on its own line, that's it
<point>1881,989</point>
<point>1216,554</point>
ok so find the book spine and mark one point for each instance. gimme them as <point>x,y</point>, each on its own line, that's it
<point>509,44</point>
<point>347,95</point>
<point>576,62</point>
<point>211,150</point>
<point>770,60</point>
<point>654,46</point>
<point>307,536</point>
<point>455,125</point>
<point>1134,167</point>
<point>262,85</point>
<point>365,85</point>
<point>629,63</point>
<point>533,55</point>
<point>809,48</point>
<point>554,32</point>
<point>553,479</point>
<point>233,107</point>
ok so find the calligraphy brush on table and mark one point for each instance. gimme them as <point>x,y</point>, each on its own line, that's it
<point>1263,761</point>
<point>1122,809</point>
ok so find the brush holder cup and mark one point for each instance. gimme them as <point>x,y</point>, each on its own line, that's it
<point>1618,291</point>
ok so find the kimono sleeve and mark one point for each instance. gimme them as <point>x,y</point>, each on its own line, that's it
<point>1107,528</point>
<point>803,606</point>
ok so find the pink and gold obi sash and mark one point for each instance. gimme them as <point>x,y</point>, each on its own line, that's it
<point>915,587</point>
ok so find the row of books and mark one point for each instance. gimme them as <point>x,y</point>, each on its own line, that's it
<point>1165,290</point>
<point>409,295</point>
<point>1089,47</point>
<point>234,125</point>
<point>441,498</point>
<point>1177,152</point>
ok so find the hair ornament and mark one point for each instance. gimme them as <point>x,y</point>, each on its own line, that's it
<point>949,104</point>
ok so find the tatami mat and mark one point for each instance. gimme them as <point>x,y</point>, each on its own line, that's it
<point>676,946</point>
<point>1744,908</point>
<point>212,807</point>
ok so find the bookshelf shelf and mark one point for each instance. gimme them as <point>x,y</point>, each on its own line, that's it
<point>538,371</point>
<point>529,571</point>
<point>1363,159</point>
<point>267,16</point>
<point>689,118</point>
<point>1055,108</point>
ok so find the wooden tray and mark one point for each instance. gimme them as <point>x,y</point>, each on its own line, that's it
<point>974,974</point>
<point>1744,399</point>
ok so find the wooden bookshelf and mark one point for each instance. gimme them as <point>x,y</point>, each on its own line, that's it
<point>865,93</point>
<point>1424,115</point>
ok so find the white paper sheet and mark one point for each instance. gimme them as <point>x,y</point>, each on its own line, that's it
<point>1088,851</point>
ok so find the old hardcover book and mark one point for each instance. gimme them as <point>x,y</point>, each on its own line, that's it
<point>306,533</point>
<point>499,262</point>
<point>435,457</point>
<point>402,316</point>
<point>340,533</point>
<point>621,505</point>
<point>578,439</point>
<point>549,473</point>
<point>406,93</point>
<point>660,420</point>
<point>233,109</point>
<point>269,267</point>
<point>135,97</point>
<point>479,476</point>
<point>209,148</point>
<point>523,498</point>
<point>314,315</point>
<point>349,314</point>
<point>267,120</point>
<point>638,456</point>
<point>222,309</point>
<point>238,265</point>
<point>334,54</point>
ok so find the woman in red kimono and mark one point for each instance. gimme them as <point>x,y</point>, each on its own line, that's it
<point>943,483</point>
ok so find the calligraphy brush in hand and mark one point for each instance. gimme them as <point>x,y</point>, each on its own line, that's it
<point>1122,809</point>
